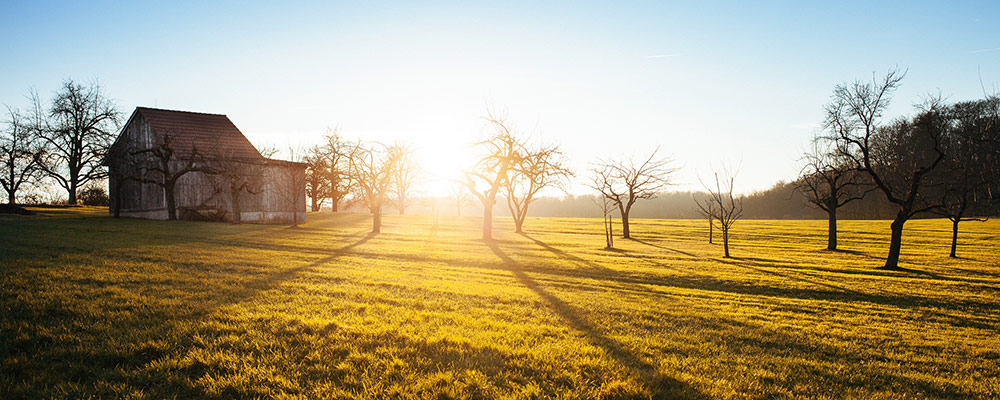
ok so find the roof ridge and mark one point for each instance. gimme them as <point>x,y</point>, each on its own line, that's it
<point>179,111</point>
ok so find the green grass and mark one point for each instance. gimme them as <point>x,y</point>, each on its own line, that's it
<point>120,308</point>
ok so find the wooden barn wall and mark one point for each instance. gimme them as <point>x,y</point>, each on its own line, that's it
<point>136,195</point>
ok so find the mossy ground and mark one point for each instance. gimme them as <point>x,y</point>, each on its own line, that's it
<point>124,308</point>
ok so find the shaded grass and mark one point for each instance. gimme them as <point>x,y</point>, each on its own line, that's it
<point>95,306</point>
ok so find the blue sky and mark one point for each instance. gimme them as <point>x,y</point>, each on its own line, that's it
<point>712,84</point>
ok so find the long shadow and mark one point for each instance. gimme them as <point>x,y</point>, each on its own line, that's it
<point>750,266</point>
<point>276,278</point>
<point>663,247</point>
<point>661,385</point>
<point>564,254</point>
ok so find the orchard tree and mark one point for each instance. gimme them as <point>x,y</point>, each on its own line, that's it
<point>829,182</point>
<point>407,174</point>
<point>500,152</point>
<point>724,206</point>
<point>969,170</point>
<point>535,170</point>
<point>372,168</point>
<point>627,181</point>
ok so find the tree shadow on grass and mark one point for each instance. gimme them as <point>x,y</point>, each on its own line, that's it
<point>663,247</point>
<point>661,385</point>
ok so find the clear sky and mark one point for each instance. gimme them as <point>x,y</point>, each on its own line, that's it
<point>740,83</point>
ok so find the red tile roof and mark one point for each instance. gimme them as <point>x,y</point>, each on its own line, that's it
<point>213,135</point>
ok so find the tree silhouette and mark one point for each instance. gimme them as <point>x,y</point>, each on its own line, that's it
<point>82,126</point>
<point>829,182</point>
<point>22,152</point>
<point>627,181</point>
<point>535,170</point>
<point>723,205</point>
<point>500,153</point>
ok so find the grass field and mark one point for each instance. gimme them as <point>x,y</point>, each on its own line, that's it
<point>122,308</point>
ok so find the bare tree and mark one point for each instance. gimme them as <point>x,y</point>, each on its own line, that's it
<point>317,176</point>
<point>969,170</point>
<point>500,153</point>
<point>725,206</point>
<point>407,172</point>
<point>339,154</point>
<point>535,170</point>
<point>897,157</point>
<point>829,182</point>
<point>239,177</point>
<point>162,161</point>
<point>290,181</point>
<point>21,154</point>
<point>83,124</point>
<point>629,181</point>
<point>372,170</point>
<point>459,196</point>
<point>708,210</point>
<point>607,207</point>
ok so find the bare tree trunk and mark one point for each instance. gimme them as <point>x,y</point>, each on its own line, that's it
<point>487,222</point>
<point>377,220</point>
<point>896,242</point>
<point>72,190</point>
<point>831,234</point>
<point>315,204</point>
<point>625,230</point>
<point>725,241</point>
<point>168,189</point>
<point>334,202</point>
<point>710,233</point>
<point>954,236</point>
<point>10,197</point>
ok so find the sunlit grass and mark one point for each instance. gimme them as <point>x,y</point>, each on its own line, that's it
<point>124,308</point>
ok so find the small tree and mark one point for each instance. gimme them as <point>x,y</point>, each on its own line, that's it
<point>628,181</point>
<point>290,183</point>
<point>708,210</point>
<point>459,196</point>
<point>372,170</point>
<point>536,169</point>
<point>725,207</point>
<point>829,182</point>
<point>500,153</point>
<point>607,207</point>
<point>406,173</point>
<point>317,176</point>
<point>339,154</point>
<point>969,169</point>
<point>82,127</point>
<point>22,152</point>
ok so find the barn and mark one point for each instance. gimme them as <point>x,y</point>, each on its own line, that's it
<point>168,164</point>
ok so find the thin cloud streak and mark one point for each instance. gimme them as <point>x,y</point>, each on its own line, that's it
<point>985,50</point>
<point>664,55</point>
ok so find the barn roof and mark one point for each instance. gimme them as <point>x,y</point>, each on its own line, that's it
<point>210,134</point>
